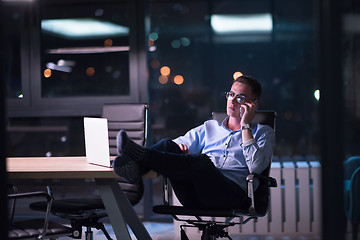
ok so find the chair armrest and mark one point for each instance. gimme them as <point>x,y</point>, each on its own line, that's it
<point>166,191</point>
<point>29,194</point>
<point>49,200</point>
<point>271,182</point>
<point>14,190</point>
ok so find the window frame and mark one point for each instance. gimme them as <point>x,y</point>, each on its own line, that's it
<point>32,104</point>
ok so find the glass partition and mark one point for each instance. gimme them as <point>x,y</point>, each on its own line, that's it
<point>196,49</point>
<point>69,58</point>
<point>85,49</point>
<point>351,76</point>
<point>16,48</point>
<point>351,114</point>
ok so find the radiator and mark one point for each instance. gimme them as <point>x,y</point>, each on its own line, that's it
<point>295,205</point>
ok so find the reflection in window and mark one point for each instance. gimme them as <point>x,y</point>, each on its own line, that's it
<point>85,50</point>
<point>14,16</point>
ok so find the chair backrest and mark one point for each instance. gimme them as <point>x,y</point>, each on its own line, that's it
<point>130,117</point>
<point>350,165</point>
<point>352,189</point>
<point>262,194</point>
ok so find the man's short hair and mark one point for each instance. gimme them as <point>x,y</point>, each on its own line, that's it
<point>252,82</point>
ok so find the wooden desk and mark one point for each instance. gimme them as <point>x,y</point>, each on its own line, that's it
<point>119,209</point>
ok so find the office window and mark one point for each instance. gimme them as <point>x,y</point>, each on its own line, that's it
<point>85,50</point>
<point>351,76</point>
<point>197,47</point>
<point>69,58</point>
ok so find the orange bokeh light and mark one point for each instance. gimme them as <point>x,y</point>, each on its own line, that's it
<point>90,71</point>
<point>47,73</point>
<point>165,70</point>
<point>108,42</point>
<point>237,74</point>
<point>163,79</point>
<point>178,79</point>
<point>150,42</point>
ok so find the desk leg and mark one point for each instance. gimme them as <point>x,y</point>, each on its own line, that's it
<point>120,210</point>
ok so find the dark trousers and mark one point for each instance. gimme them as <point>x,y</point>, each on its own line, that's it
<point>194,178</point>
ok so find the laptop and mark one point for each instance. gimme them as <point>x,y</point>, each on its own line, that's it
<point>97,141</point>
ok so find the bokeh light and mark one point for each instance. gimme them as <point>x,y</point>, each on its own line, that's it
<point>237,74</point>
<point>150,43</point>
<point>90,71</point>
<point>178,79</point>
<point>47,73</point>
<point>317,94</point>
<point>185,41</point>
<point>108,42</point>
<point>155,63</point>
<point>288,115</point>
<point>152,48</point>
<point>163,79</point>
<point>153,36</point>
<point>99,12</point>
<point>165,70</point>
<point>176,43</point>
<point>116,74</point>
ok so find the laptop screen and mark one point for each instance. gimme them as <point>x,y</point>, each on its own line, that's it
<point>97,141</point>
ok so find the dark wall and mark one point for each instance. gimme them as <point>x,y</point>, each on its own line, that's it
<point>3,178</point>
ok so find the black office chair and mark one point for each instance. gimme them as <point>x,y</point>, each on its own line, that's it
<point>35,228</point>
<point>211,228</point>
<point>88,211</point>
<point>352,193</point>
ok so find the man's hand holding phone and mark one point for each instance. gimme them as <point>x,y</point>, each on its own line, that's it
<point>247,112</point>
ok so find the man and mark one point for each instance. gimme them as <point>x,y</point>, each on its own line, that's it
<point>207,167</point>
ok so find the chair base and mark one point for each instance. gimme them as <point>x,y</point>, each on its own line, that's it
<point>208,231</point>
<point>89,223</point>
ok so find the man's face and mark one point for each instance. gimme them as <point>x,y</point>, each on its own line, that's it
<point>233,106</point>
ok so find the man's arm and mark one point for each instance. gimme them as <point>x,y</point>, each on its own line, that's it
<point>192,141</point>
<point>258,152</point>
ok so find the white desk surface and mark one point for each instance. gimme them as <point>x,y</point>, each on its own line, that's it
<point>55,167</point>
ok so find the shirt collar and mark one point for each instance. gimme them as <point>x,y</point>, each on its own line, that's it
<point>224,124</point>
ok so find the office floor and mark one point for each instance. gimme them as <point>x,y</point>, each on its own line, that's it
<point>165,231</point>
<point>160,231</point>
